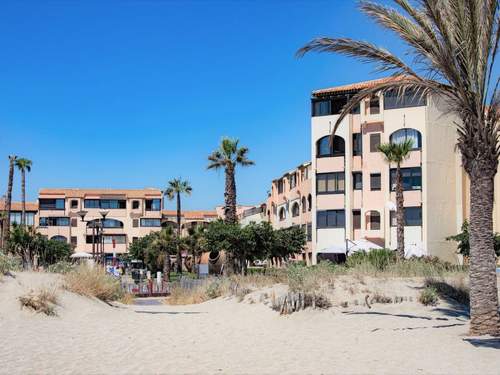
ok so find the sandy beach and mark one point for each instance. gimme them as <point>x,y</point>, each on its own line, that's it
<point>227,336</point>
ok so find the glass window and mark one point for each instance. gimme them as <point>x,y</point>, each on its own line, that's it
<point>280,186</point>
<point>356,219</point>
<point>293,180</point>
<point>295,209</point>
<point>309,232</point>
<point>59,238</point>
<point>74,240</point>
<point>135,223</point>
<point>330,183</point>
<point>374,105</point>
<point>15,218</point>
<point>135,205</point>
<point>54,221</point>
<point>113,204</point>
<point>412,216</point>
<point>282,214</point>
<point>402,135</point>
<point>30,218</point>
<point>324,149</point>
<point>153,204</point>
<point>357,144</point>
<point>309,202</point>
<point>412,178</point>
<point>74,203</point>
<point>373,220</point>
<point>357,180</point>
<point>51,204</point>
<point>330,219</point>
<point>304,204</point>
<point>321,108</point>
<point>150,222</point>
<point>374,142</point>
<point>410,99</point>
<point>375,181</point>
<point>91,203</point>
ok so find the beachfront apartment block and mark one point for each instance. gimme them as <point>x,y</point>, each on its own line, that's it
<point>353,186</point>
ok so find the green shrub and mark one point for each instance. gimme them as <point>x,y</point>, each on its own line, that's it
<point>379,260</point>
<point>457,291</point>
<point>61,267</point>
<point>9,263</point>
<point>428,296</point>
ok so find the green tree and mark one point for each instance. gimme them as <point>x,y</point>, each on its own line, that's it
<point>175,188</point>
<point>143,250</point>
<point>195,243</point>
<point>165,242</point>
<point>463,243</point>
<point>24,165</point>
<point>228,156</point>
<point>8,200</point>
<point>396,153</point>
<point>453,45</point>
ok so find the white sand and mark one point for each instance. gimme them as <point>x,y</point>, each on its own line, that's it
<point>224,336</point>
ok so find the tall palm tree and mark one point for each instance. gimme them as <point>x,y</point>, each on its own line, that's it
<point>8,200</point>
<point>453,45</point>
<point>24,165</point>
<point>175,188</point>
<point>196,243</point>
<point>397,153</point>
<point>228,156</point>
<point>165,242</point>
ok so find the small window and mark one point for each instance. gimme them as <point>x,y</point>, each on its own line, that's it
<point>309,202</point>
<point>282,214</point>
<point>411,178</point>
<point>325,149</point>
<point>74,222</point>
<point>375,181</point>
<point>356,219</point>
<point>309,232</point>
<point>293,180</point>
<point>374,142</point>
<point>374,105</point>
<point>153,204</point>
<point>412,217</point>
<point>330,183</point>
<point>295,209</point>
<point>321,108</point>
<point>150,222</point>
<point>280,186</point>
<point>373,220</point>
<point>357,144</point>
<point>357,180</point>
<point>51,204</point>
<point>74,240</point>
<point>135,205</point>
<point>135,223</point>
<point>330,219</point>
<point>304,204</point>
<point>402,135</point>
<point>74,203</point>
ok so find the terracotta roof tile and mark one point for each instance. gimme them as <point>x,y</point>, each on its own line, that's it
<point>17,206</point>
<point>81,193</point>
<point>354,86</point>
<point>191,214</point>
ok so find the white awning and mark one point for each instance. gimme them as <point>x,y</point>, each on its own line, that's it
<point>81,255</point>
<point>352,247</point>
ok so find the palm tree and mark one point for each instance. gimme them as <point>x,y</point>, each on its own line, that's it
<point>175,188</point>
<point>229,156</point>
<point>397,153</point>
<point>453,44</point>
<point>195,242</point>
<point>8,200</point>
<point>165,242</point>
<point>23,165</point>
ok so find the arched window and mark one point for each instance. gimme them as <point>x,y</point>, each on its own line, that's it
<point>282,214</point>
<point>304,204</point>
<point>402,135</point>
<point>295,209</point>
<point>59,238</point>
<point>373,220</point>
<point>325,149</point>
<point>108,223</point>
<point>309,202</point>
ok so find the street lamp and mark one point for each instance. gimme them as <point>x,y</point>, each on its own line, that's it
<point>103,219</point>
<point>96,227</point>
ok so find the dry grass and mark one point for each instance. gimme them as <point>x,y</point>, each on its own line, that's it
<point>456,289</point>
<point>127,299</point>
<point>93,282</point>
<point>42,301</point>
<point>428,296</point>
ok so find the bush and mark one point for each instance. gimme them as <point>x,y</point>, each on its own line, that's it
<point>93,282</point>
<point>309,279</point>
<point>44,301</point>
<point>61,267</point>
<point>8,264</point>
<point>428,296</point>
<point>456,291</point>
<point>379,260</point>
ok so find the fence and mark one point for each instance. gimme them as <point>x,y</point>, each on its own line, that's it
<point>146,288</point>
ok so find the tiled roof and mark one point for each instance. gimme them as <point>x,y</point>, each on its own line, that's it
<point>81,193</point>
<point>355,86</point>
<point>17,206</point>
<point>191,214</point>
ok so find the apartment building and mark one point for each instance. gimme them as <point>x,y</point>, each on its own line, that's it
<point>353,186</point>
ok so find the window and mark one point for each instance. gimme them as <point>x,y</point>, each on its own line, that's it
<point>280,186</point>
<point>135,223</point>
<point>373,220</point>
<point>412,178</point>
<point>374,105</point>
<point>282,214</point>
<point>15,218</point>
<point>374,142</point>
<point>107,239</point>
<point>375,181</point>
<point>356,219</point>
<point>74,222</point>
<point>410,98</point>
<point>150,222</point>
<point>304,204</point>
<point>330,183</point>
<point>59,239</point>
<point>357,180</point>
<point>293,180</point>
<point>330,219</point>
<point>54,221</point>
<point>135,205</point>
<point>305,173</point>
<point>74,203</point>
<point>309,202</point>
<point>325,149</point>
<point>321,108</point>
<point>113,203</point>
<point>401,135</point>
<point>107,223</point>
<point>412,217</point>
<point>91,203</point>
<point>295,209</point>
<point>357,144</point>
<point>153,204</point>
<point>74,240</point>
<point>51,204</point>
<point>309,232</point>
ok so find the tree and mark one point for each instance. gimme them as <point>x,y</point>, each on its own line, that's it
<point>397,153</point>
<point>142,249</point>
<point>175,188</point>
<point>24,165</point>
<point>453,44</point>
<point>195,242</point>
<point>228,156</point>
<point>165,242</point>
<point>8,200</point>
<point>463,244</point>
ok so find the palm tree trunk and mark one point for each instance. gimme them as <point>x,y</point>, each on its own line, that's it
<point>167,266</point>
<point>23,192</point>
<point>230,198</point>
<point>400,213</point>
<point>483,279</point>
<point>179,255</point>
<point>8,201</point>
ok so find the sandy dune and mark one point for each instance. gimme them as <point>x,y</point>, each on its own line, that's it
<point>224,336</point>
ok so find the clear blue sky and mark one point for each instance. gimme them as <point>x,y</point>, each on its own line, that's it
<point>128,94</point>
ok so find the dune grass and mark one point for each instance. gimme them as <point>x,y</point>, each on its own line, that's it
<point>42,301</point>
<point>93,282</point>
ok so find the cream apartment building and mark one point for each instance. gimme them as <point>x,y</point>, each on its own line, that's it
<point>353,186</point>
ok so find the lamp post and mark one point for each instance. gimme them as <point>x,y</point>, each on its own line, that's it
<point>103,218</point>
<point>97,232</point>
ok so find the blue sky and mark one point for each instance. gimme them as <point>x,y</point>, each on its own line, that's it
<point>128,94</point>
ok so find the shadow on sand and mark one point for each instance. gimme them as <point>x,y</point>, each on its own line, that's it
<point>170,312</point>
<point>485,343</point>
